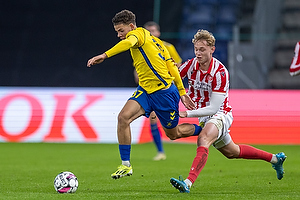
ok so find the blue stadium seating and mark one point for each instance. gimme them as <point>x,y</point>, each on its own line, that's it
<point>216,16</point>
<point>226,14</point>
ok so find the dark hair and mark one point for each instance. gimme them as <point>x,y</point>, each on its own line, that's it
<point>151,23</point>
<point>124,17</point>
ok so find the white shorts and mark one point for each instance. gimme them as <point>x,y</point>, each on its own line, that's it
<point>223,123</point>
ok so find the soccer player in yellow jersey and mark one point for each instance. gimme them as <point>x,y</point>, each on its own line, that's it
<point>156,92</point>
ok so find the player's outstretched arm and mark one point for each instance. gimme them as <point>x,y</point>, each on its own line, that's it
<point>217,98</point>
<point>96,60</point>
<point>120,47</point>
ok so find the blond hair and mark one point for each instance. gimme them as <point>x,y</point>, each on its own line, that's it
<point>204,35</point>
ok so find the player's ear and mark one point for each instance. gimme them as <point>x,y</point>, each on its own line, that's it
<point>132,26</point>
<point>213,48</point>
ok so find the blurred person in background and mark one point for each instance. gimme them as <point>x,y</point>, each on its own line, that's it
<point>154,29</point>
<point>295,65</point>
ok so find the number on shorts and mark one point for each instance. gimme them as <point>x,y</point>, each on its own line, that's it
<point>137,93</point>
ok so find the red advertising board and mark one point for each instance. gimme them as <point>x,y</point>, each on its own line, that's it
<point>90,115</point>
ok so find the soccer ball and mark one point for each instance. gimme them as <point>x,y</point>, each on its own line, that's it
<point>66,182</point>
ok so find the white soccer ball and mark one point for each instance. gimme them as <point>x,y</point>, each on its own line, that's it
<point>66,182</point>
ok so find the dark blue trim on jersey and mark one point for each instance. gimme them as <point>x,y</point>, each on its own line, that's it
<point>151,67</point>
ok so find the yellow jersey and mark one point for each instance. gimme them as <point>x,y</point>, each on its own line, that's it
<point>151,59</point>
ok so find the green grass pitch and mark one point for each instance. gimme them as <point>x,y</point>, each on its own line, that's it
<point>27,171</point>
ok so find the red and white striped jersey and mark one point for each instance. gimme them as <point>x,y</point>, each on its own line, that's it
<point>203,83</point>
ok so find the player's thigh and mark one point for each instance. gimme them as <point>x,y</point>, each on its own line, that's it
<point>131,110</point>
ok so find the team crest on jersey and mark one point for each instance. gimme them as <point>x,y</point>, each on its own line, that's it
<point>209,78</point>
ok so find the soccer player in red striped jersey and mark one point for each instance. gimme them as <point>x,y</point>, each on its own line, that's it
<point>295,65</point>
<point>208,87</point>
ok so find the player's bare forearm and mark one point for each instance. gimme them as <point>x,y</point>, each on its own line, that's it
<point>96,60</point>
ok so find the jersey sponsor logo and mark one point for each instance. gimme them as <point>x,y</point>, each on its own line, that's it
<point>200,85</point>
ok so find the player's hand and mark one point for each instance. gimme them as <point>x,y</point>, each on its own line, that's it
<point>187,102</point>
<point>96,60</point>
<point>182,114</point>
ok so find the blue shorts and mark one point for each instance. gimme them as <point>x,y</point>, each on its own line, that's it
<point>164,103</point>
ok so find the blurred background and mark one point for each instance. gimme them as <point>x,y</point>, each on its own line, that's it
<point>48,43</point>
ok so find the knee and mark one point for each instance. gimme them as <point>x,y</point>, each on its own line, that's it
<point>122,119</point>
<point>152,115</point>
<point>152,118</point>
<point>205,141</point>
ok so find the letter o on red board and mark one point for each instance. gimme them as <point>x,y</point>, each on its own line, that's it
<point>35,120</point>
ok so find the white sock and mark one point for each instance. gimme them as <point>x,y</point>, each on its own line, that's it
<point>274,159</point>
<point>126,163</point>
<point>188,182</point>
